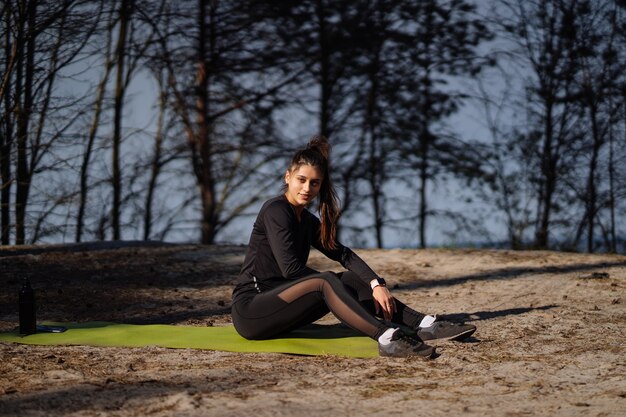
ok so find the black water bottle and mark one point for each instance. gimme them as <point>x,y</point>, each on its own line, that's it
<point>28,323</point>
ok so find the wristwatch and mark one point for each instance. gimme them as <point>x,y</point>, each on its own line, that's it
<point>376,282</point>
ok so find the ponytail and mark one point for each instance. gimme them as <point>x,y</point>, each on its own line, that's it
<point>317,155</point>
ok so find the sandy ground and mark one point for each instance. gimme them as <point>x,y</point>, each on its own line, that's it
<point>550,338</point>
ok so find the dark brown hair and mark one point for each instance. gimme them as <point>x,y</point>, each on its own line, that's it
<point>317,155</point>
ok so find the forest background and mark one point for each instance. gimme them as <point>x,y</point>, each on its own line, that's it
<point>496,122</point>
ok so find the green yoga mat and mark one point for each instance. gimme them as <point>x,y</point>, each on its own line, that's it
<point>311,340</point>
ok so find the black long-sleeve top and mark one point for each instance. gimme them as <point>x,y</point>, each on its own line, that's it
<point>279,249</point>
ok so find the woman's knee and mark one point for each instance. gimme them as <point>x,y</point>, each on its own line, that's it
<point>330,276</point>
<point>356,285</point>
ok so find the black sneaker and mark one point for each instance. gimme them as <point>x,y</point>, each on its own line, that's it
<point>445,330</point>
<point>403,345</point>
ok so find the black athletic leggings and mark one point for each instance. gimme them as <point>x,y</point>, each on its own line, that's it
<point>303,301</point>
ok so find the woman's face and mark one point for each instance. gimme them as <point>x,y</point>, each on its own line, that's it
<point>303,185</point>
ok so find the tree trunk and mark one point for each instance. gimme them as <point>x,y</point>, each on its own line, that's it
<point>84,168</point>
<point>376,167</point>
<point>6,138</point>
<point>378,215</point>
<point>548,187</point>
<point>325,87</point>
<point>612,182</point>
<point>591,180</point>
<point>611,168</point>
<point>423,170</point>
<point>377,195</point>
<point>116,181</point>
<point>156,161</point>
<point>203,138</point>
<point>5,178</point>
<point>24,112</point>
<point>93,130</point>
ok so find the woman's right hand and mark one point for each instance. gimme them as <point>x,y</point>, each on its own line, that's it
<point>385,301</point>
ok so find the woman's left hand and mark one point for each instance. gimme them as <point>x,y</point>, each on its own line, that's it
<point>385,301</point>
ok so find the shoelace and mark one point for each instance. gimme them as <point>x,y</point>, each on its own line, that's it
<point>443,324</point>
<point>407,339</point>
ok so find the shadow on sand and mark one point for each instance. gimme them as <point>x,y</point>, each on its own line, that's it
<point>487,315</point>
<point>509,273</point>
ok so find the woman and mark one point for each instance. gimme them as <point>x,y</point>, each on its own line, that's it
<point>276,292</point>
